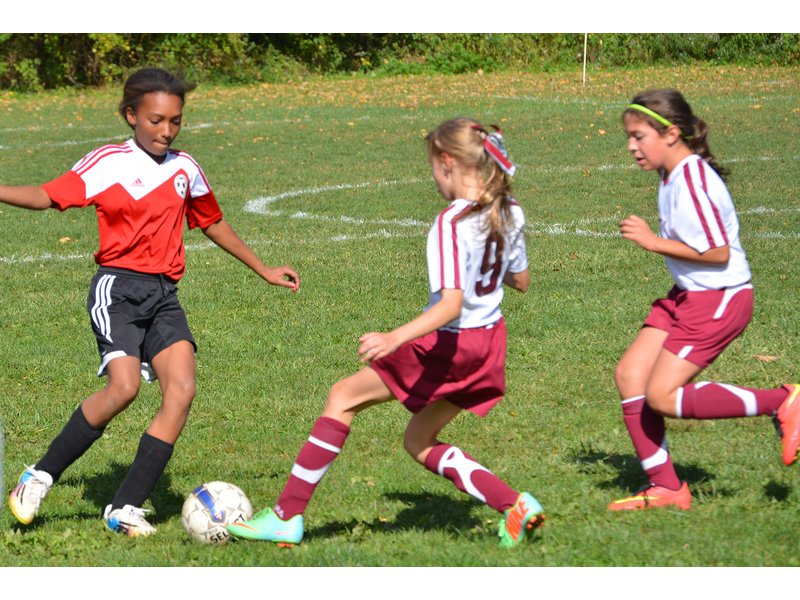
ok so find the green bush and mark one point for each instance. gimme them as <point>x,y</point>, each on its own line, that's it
<point>45,60</point>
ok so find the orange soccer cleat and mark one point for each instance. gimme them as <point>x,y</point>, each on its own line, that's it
<point>788,424</point>
<point>654,496</point>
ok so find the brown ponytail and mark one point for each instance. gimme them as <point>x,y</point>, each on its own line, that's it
<point>463,138</point>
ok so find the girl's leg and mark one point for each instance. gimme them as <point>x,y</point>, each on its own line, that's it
<point>175,368</point>
<point>346,399</point>
<point>645,426</point>
<point>521,511</point>
<point>83,429</point>
<point>450,462</point>
<point>87,423</point>
<point>353,394</point>
<point>670,395</point>
<point>122,387</point>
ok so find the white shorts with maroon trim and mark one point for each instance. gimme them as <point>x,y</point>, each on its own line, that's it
<point>700,325</point>
<point>465,366</point>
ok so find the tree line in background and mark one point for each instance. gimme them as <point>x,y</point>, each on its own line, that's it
<point>33,62</point>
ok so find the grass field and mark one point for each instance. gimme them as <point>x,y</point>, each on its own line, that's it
<point>331,177</point>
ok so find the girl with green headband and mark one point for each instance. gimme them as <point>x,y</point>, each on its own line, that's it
<point>708,307</point>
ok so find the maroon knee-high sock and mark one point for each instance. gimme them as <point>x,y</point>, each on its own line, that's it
<point>470,477</point>
<point>317,454</point>
<point>647,431</point>
<point>709,400</point>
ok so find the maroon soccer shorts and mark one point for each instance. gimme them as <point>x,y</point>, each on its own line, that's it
<point>700,325</point>
<point>466,367</point>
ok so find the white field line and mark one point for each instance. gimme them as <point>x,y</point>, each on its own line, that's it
<point>124,136</point>
<point>190,126</point>
<point>407,227</point>
<point>557,100</point>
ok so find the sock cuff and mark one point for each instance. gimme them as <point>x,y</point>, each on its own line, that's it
<point>149,441</point>
<point>435,456</point>
<point>633,405</point>
<point>325,428</point>
<point>80,420</point>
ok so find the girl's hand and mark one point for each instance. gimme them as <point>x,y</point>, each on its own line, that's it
<point>638,231</point>
<point>283,276</point>
<point>375,345</point>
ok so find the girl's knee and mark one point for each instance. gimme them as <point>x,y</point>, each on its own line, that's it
<point>337,405</point>
<point>627,379</point>
<point>180,393</point>
<point>417,443</point>
<point>661,401</point>
<point>123,391</point>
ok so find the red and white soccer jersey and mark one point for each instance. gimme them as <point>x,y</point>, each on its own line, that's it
<point>460,257</point>
<point>140,204</point>
<point>695,208</point>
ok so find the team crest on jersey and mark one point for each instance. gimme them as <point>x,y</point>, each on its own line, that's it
<point>181,185</point>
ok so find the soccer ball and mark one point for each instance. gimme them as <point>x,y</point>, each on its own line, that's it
<point>210,507</point>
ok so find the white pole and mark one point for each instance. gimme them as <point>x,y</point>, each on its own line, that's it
<point>585,44</point>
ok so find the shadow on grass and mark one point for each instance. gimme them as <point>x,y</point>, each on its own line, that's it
<point>100,489</point>
<point>777,491</point>
<point>426,512</point>
<point>629,474</point>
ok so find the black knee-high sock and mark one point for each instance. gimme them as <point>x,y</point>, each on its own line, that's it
<point>148,466</point>
<point>69,445</point>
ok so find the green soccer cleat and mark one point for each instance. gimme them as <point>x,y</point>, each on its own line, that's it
<point>526,514</point>
<point>267,526</point>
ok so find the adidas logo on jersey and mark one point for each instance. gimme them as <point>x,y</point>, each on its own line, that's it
<point>137,183</point>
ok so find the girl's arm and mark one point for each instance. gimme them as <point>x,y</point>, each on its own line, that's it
<point>519,281</point>
<point>223,235</point>
<point>25,196</point>
<point>638,231</point>
<point>377,345</point>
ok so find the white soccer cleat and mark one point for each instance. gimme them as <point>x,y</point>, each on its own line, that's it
<point>27,495</point>
<point>128,520</point>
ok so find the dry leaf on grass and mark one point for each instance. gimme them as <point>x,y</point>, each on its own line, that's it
<point>765,358</point>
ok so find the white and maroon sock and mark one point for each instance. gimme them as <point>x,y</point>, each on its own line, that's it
<point>317,454</point>
<point>470,477</point>
<point>648,434</point>
<point>709,400</point>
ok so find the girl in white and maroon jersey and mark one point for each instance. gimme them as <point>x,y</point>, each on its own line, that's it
<point>142,191</point>
<point>451,357</point>
<point>709,306</point>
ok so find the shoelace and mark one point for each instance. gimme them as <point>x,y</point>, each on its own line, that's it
<point>136,514</point>
<point>36,486</point>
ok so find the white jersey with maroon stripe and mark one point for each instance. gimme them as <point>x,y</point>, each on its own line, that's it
<point>460,257</point>
<point>140,204</point>
<point>695,208</point>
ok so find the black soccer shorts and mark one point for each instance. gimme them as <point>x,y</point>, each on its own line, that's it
<point>135,314</point>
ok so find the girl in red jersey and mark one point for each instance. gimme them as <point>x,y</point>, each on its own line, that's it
<point>142,191</point>
<point>709,306</point>
<point>448,359</point>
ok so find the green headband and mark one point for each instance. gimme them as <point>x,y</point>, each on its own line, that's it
<point>659,118</point>
<point>651,113</point>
